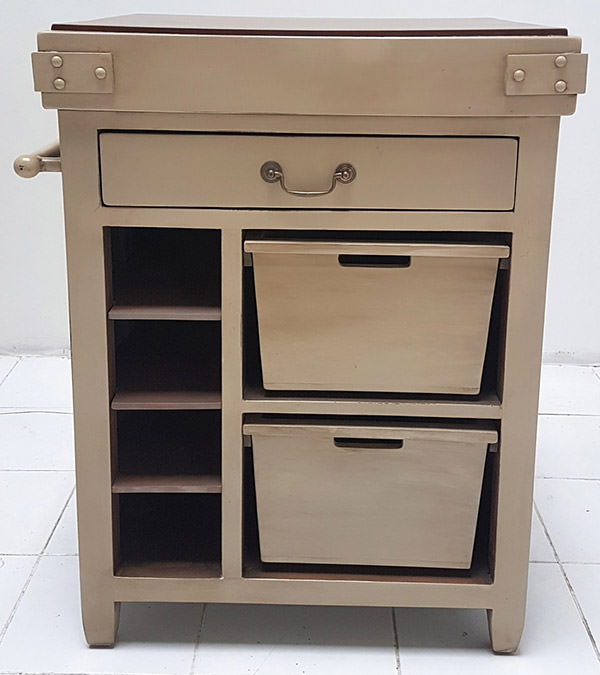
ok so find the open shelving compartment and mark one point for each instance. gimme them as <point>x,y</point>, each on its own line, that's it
<point>176,451</point>
<point>163,305</point>
<point>165,274</point>
<point>167,364</point>
<point>273,403</point>
<point>480,570</point>
<point>169,535</point>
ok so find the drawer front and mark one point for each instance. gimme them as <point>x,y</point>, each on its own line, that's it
<point>380,317</point>
<point>368,495</point>
<point>392,172</point>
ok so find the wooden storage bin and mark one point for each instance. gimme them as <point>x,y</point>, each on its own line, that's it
<point>373,316</point>
<point>374,493</point>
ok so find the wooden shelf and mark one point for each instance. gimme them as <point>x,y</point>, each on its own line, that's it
<point>166,400</point>
<point>487,405</point>
<point>254,391</point>
<point>170,569</point>
<point>255,569</point>
<point>164,312</point>
<point>201,484</point>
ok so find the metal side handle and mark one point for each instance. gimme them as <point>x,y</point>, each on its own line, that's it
<point>271,172</point>
<point>46,159</point>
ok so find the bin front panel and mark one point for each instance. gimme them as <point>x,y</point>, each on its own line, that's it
<point>329,322</point>
<point>350,498</point>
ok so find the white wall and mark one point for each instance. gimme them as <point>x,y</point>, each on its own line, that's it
<point>33,303</point>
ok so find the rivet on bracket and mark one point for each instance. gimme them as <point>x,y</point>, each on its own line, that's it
<point>560,61</point>
<point>560,86</point>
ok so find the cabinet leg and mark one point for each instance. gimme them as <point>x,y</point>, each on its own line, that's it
<point>505,626</point>
<point>100,623</point>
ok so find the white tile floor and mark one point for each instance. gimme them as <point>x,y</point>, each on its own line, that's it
<point>40,628</point>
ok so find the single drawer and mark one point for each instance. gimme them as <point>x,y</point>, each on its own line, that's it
<point>377,317</point>
<point>368,494</point>
<point>224,170</point>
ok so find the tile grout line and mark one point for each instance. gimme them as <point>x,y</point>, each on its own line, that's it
<point>396,642</point>
<point>34,555</point>
<point>60,515</point>
<point>36,564</point>
<point>3,380</point>
<point>567,414</point>
<point>7,410</point>
<point>197,640</point>
<point>23,672</point>
<point>72,471</point>
<point>586,625</point>
<point>567,478</point>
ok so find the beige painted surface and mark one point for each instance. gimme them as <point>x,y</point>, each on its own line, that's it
<point>367,496</point>
<point>515,405</point>
<point>261,75</point>
<point>412,76</point>
<point>392,172</point>
<point>505,596</point>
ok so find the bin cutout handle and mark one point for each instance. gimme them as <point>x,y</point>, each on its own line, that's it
<point>368,443</point>
<point>356,260</point>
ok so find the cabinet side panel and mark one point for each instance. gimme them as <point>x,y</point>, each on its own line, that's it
<point>91,389</point>
<point>524,332</point>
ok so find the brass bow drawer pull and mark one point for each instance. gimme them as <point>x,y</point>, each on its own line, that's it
<point>271,172</point>
<point>46,159</point>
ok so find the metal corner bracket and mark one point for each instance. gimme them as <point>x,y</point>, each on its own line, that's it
<point>73,72</point>
<point>545,74</point>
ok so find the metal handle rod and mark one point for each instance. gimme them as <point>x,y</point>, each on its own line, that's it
<point>271,172</point>
<point>45,159</point>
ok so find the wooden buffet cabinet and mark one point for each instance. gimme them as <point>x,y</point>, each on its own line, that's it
<point>307,267</point>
